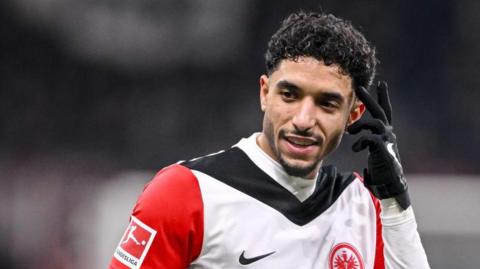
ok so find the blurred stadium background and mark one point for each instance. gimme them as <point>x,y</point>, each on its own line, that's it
<point>95,96</point>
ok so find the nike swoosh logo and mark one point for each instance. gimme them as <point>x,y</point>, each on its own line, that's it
<point>244,261</point>
<point>392,152</point>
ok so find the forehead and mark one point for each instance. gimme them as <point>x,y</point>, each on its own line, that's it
<point>311,74</point>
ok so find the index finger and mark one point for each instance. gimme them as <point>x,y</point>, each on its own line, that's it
<point>372,106</point>
<point>384,100</point>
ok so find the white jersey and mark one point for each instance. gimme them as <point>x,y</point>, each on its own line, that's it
<point>239,209</point>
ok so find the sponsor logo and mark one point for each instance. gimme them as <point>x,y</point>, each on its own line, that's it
<point>345,256</point>
<point>244,260</point>
<point>134,245</point>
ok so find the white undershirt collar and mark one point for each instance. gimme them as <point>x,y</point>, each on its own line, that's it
<point>302,188</point>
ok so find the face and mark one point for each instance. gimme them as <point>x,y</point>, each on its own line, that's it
<point>307,106</point>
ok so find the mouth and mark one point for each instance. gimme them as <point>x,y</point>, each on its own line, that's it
<point>300,146</point>
<point>301,141</point>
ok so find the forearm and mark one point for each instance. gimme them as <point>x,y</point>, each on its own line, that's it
<point>402,245</point>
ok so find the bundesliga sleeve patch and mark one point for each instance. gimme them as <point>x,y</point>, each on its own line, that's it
<point>134,245</point>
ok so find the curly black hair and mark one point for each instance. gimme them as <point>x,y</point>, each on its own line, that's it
<point>326,38</point>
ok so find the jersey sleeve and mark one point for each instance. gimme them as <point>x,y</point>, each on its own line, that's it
<point>403,247</point>
<point>398,244</point>
<point>166,227</point>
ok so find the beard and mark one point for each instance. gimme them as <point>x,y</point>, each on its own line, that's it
<point>296,170</point>
<point>291,169</point>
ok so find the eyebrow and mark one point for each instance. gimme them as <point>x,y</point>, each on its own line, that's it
<point>334,96</point>
<point>288,85</point>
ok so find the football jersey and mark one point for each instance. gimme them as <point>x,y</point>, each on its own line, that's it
<point>239,209</point>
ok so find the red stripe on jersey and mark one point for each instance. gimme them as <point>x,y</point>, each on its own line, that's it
<point>171,204</point>
<point>379,256</point>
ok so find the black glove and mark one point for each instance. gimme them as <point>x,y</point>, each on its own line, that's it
<point>384,176</point>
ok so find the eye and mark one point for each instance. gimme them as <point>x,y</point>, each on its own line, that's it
<point>288,95</point>
<point>329,105</point>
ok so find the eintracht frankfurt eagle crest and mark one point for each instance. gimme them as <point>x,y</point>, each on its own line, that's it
<point>345,256</point>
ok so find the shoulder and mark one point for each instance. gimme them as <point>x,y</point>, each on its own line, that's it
<point>179,181</point>
<point>339,177</point>
<point>171,180</point>
<point>174,190</point>
<point>350,184</point>
<point>174,178</point>
<point>171,210</point>
<point>222,161</point>
<point>335,181</point>
<point>360,188</point>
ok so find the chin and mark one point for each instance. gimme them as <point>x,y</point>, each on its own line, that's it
<point>298,169</point>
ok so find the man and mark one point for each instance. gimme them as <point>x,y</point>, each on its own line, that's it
<point>268,202</point>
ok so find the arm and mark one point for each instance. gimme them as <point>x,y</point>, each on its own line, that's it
<point>402,245</point>
<point>166,227</point>
<point>385,179</point>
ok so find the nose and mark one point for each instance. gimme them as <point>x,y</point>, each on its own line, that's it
<point>304,119</point>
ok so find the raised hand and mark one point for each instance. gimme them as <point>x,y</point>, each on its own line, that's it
<point>384,176</point>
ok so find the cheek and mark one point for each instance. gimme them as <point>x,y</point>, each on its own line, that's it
<point>268,127</point>
<point>336,122</point>
<point>277,116</point>
<point>334,129</point>
<point>333,141</point>
<point>336,137</point>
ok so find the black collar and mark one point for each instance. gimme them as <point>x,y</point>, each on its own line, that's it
<point>234,168</point>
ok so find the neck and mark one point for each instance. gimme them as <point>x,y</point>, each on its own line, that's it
<point>263,143</point>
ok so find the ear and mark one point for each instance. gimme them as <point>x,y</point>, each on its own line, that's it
<point>263,91</point>
<point>356,112</point>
